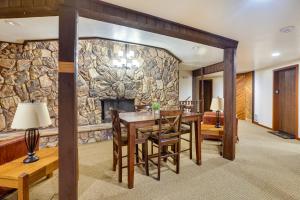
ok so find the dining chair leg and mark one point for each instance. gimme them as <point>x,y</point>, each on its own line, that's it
<point>191,144</point>
<point>145,155</point>
<point>178,158</point>
<point>114,158</point>
<point>120,163</point>
<point>151,147</point>
<point>158,162</point>
<point>165,151</point>
<point>137,153</point>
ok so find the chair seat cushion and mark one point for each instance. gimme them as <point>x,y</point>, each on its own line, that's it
<point>168,138</point>
<point>151,129</point>
<point>140,137</point>
<point>185,128</point>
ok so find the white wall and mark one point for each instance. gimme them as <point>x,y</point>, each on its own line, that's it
<point>263,107</point>
<point>218,86</point>
<point>185,85</point>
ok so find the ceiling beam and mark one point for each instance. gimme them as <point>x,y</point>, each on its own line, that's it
<point>102,11</point>
<point>25,8</point>
<point>110,13</point>
<point>217,67</point>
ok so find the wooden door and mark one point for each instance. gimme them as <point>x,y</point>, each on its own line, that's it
<point>285,100</point>
<point>207,93</point>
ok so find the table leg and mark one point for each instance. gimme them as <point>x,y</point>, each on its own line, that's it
<point>23,187</point>
<point>198,140</point>
<point>131,133</point>
<point>50,175</point>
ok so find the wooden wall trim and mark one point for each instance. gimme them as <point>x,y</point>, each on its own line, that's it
<point>217,67</point>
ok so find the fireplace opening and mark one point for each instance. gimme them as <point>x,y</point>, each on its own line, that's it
<point>123,105</point>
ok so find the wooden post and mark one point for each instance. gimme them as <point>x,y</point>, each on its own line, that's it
<point>202,92</point>
<point>194,94</point>
<point>229,103</point>
<point>67,103</point>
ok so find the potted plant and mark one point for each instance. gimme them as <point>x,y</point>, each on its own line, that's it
<point>155,107</point>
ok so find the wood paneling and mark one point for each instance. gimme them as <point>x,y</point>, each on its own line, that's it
<point>249,95</point>
<point>230,128</point>
<point>285,100</point>
<point>218,67</point>
<point>244,95</point>
<point>67,104</point>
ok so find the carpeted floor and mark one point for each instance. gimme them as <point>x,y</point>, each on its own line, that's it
<point>266,167</point>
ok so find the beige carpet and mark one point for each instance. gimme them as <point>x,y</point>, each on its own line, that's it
<point>266,167</point>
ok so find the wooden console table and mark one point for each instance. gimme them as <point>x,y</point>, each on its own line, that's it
<point>16,174</point>
<point>211,132</point>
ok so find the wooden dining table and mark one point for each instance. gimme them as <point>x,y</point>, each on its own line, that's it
<point>134,120</point>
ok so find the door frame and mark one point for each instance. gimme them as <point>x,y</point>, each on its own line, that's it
<point>201,87</point>
<point>275,118</point>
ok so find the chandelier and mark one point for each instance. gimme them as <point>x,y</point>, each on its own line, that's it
<point>125,59</point>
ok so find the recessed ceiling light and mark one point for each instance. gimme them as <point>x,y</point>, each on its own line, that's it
<point>12,23</point>
<point>195,48</point>
<point>199,50</point>
<point>287,29</point>
<point>275,54</point>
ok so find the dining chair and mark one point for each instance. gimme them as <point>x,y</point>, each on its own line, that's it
<point>187,128</point>
<point>144,107</point>
<point>167,135</point>
<point>120,140</point>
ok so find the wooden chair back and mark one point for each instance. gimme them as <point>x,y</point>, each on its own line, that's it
<point>171,121</point>
<point>145,107</point>
<point>116,125</point>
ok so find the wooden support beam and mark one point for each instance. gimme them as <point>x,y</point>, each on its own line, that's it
<point>217,67</point>
<point>230,129</point>
<point>67,104</point>
<point>102,11</point>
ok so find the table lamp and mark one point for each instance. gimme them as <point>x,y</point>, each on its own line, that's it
<point>217,104</point>
<point>30,117</point>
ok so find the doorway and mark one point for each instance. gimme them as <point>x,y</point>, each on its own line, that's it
<point>285,101</point>
<point>207,94</point>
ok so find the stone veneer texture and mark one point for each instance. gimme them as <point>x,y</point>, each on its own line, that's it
<point>29,72</point>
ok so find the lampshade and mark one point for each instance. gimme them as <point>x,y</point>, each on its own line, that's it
<point>217,104</point>
<point>31,115</point>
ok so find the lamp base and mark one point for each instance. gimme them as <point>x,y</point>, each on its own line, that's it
<point>31,140</point>
<point>31,159</point>
<point>218,124</point>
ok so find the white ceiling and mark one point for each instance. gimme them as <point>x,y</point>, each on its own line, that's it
<point>254,23</point>
<point>47,28</point>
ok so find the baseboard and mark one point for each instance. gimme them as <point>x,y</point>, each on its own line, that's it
<point>258,124</point>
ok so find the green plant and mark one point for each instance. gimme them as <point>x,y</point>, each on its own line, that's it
<point>155,106</point>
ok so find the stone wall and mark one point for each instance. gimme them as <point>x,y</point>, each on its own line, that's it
<point>29,72</point>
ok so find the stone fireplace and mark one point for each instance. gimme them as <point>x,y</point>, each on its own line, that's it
<point>29,71</point>
<point>123,105</point>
